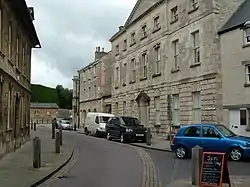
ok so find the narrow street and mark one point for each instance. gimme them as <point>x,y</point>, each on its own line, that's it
<point>101,163</point>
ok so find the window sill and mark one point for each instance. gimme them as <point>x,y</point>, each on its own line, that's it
<point>156,75</point>
<point>143,78</point>
<point>144,37</point>
<point>175,70</point>
<point>9,130</point>
<point>157,125</point>
<point>10,62</point>
<point>132,44</point>
<point>246,45</point>
<point>131,82</point>
<point>1,53</point>
<point>247,85</point>
<point>194,65</point>
<point>172,22</point>
<point>156,29</point>
<point>193,10</point>
<point>123,84</point>
<point>18,70</point>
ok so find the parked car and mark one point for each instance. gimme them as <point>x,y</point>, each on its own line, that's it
<point>125,129</point>
<point>66,125</point>
<point>212,138</point>
<point>95,123</point>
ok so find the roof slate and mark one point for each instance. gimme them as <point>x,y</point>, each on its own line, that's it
<point>239,17</point>
<point>44,105</point>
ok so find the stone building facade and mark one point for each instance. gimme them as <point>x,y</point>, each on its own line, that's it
<point>17,38</point>
<point>75,101</point>
<point>235,59</point>
<point>168,68</point>
<point>95,85</point>
<point>43,113</point>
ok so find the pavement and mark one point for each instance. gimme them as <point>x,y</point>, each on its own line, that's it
<point>17,170</point>
<point>159,144</point>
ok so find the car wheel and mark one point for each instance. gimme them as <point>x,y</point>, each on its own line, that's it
<point>122,140</point>
<point>235,154</point>
<point>97,134</point>
<point>180,152</point>
<point>86,131</point>
<point>108,137</point>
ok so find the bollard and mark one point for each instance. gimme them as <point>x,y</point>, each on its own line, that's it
<point>36,152</point>
<point>196,164</point>
<point>60,131</point>
<point>148,136</point>
<point>53,131</point>
<point>75,127</point>
<point>57,143</point>
<point>34,126</point>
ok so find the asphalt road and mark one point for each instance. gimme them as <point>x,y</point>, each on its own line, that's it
<point>101,163</point>
<point>170,169</point>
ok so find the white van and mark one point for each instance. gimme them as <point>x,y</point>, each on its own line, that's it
<point>95,123</point>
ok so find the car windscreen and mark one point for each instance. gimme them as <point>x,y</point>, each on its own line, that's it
<point>104,119</point>
<point>225,131</point>
<point>65,122</point>
<point>130,121</point>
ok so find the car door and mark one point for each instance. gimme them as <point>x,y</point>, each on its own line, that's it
<point>117,128</point>
<point>212,140</point>
<point>110,126</point>
<point>191,137</point>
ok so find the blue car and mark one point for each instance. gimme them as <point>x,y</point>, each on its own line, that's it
<point>212,138</point>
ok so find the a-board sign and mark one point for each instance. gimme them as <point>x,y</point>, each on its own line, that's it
<point>212,169</point>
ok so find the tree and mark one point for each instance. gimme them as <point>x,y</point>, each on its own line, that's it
<point>64,96</point>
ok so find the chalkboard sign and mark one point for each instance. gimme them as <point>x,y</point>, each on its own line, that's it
<point>212,169</point>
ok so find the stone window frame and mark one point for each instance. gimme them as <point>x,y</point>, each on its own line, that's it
<point>246,65</point>
<point>144,31</point>
<point>176,109</point>
<point>157,60</point>
<point>95,90</point>
<point>176,53</point>
<point>117,108</point>
<point>125,45</point>
<point>194,5</point>
<point>196,107</point>
<point>196,48</point>
<point>246,36</point>
<point>124,74</point>
<point>133,70</point>
<point>117,50</point>
<point>157,103</point>
<point>124,108</point>
<point>132,38</point>
<point>10,40</point>
<point>174,14</point>
<point>156,23</point>
<point>144,65</point>
<point>117,77</point>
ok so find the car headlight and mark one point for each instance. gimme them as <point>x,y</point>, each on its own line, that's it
<point>129,130</point>
<point>248,144</point>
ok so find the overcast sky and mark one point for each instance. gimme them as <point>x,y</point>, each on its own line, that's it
<point>69,32</point>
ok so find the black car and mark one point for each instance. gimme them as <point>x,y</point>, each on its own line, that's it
<point>125,129</point>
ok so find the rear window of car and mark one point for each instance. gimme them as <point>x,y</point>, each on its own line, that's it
<point>193,131</point>
<point>130,121</point>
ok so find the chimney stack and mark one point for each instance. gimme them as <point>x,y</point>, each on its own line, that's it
<point>98,49</point>
<point>103,49</point>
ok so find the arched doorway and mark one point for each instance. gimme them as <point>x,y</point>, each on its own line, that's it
<point>143,103</point>
<point>95,110</point>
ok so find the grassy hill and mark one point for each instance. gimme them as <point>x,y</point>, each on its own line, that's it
<point>43,94</point>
